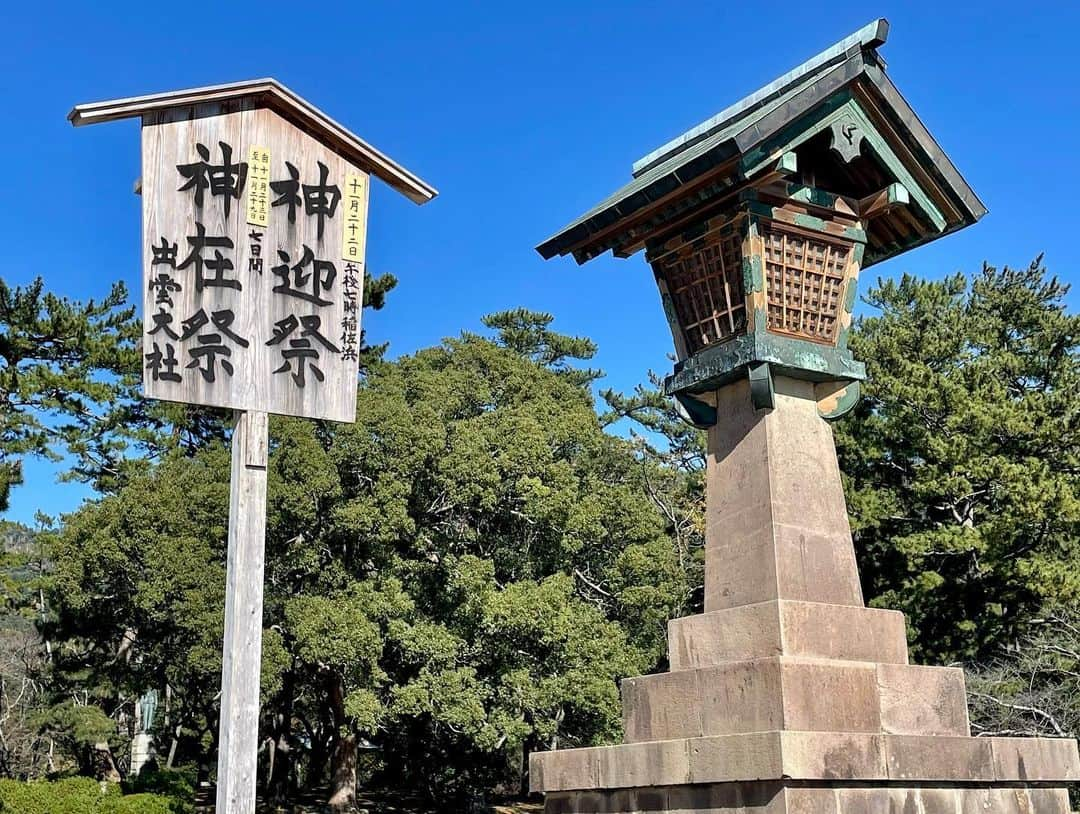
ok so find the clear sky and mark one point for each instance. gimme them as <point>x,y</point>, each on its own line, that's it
<point>523,115</point>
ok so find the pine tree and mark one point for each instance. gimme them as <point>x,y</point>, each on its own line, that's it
<point>63,366</point>
<point>962,460</point>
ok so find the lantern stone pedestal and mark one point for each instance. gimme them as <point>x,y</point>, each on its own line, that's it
<point>788,694</point>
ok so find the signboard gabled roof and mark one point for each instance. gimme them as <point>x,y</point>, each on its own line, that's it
<point>272,94</point>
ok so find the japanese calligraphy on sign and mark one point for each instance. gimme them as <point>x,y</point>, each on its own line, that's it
<point>353,224</point>
<point>254,237</point>
<point>258,210</point>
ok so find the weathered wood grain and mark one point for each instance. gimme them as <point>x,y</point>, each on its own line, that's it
<point>242,643</point>
<point>258,311</point>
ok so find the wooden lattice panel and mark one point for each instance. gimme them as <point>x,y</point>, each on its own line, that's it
<point>804,283</point>
<point>706,288</point>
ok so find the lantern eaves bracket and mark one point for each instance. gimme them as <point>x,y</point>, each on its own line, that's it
<point>835,398</point>
<point>263,93</point>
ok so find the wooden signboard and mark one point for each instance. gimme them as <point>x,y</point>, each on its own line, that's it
<point>254,233</point>
<point>253,266</point>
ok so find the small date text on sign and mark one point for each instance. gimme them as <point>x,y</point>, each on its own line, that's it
<point>253,266</point>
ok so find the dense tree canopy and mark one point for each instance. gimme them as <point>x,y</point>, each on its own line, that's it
<point>457,578</point>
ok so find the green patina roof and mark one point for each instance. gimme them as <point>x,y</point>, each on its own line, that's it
<point>749,123</point>
<point>754,106</point>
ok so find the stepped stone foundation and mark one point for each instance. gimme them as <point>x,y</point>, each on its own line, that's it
<point>788,694</point>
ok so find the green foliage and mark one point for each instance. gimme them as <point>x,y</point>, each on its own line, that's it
<point>962,458</point>
<point>138,592</point>
<point>177,786</point>
<point>138,804</point>
<point>526,333</point>
<point>73,795</point>
<point>375,291</point>
<point>76,795</point>
<point>672,452</point>
<point>669,437</point>
<point>460,577</point>
<point>59,366</point>
<point>76,727</point>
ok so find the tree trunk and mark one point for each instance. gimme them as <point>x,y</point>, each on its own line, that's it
<point>522,759</point>
<point>172,747</point>
<point>343,760</point>
<point>553,744</point>
<point>280,785</point>
<point>279,779</point>
<point>207,759</point>
<point>104,764</point>
<point>343,774</point>
<point>318,757</point>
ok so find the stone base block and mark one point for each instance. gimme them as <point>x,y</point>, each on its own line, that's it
<point>807,756</point>
<point>794,798</point>
<point>786,628</point>
<point>917,700</point>
<point>793,693</point>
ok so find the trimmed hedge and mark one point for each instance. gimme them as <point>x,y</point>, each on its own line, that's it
<point>76,795</point>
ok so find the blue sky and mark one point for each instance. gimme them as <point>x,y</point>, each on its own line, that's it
<point>523,115</point>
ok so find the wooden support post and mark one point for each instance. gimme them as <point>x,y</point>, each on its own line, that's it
<point>242,644</point>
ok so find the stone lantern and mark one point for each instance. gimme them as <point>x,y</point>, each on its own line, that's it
<point>788,694</point>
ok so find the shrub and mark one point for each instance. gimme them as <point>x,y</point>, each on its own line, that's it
<point>76,795</point>
<point>72,795</point>
<point>178,785</point>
